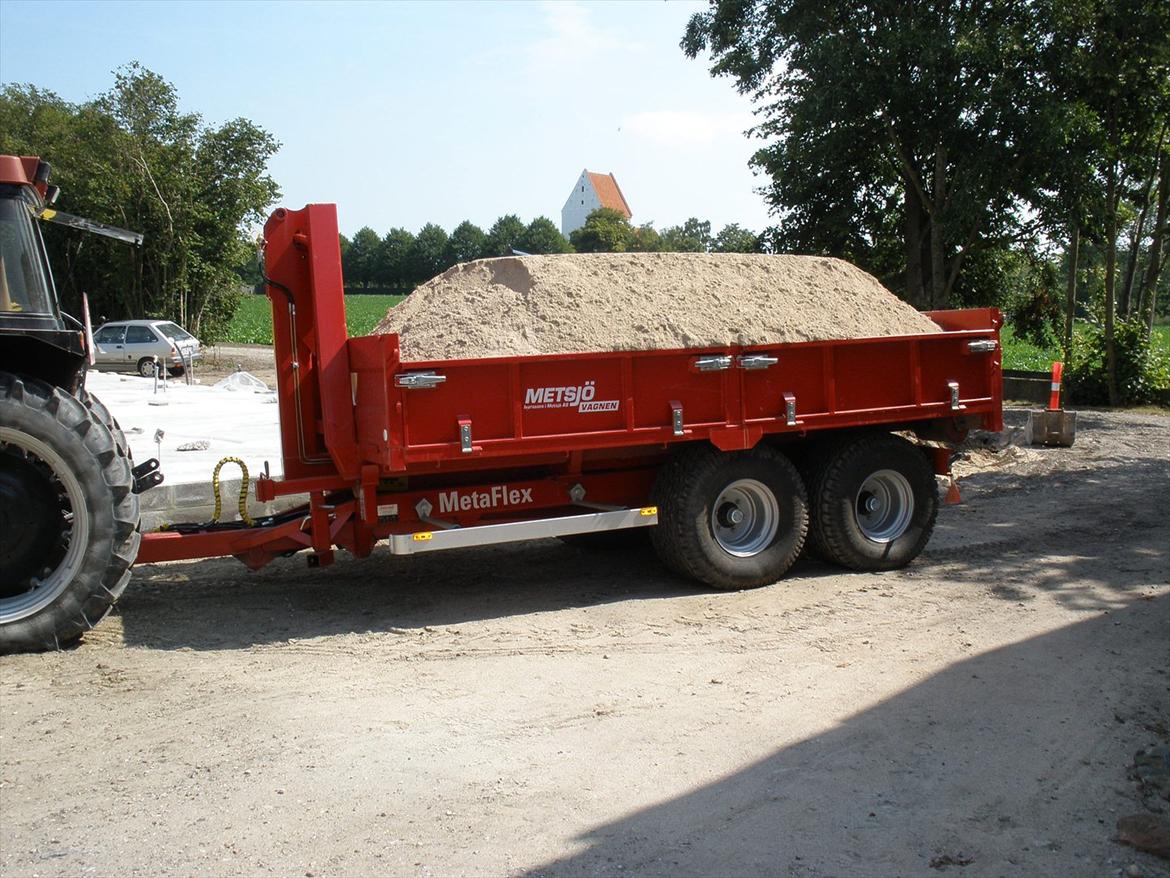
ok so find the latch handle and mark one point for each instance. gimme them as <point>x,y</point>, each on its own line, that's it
<point>756,361</point>
<point>714,363</point>
<point>418,380</point>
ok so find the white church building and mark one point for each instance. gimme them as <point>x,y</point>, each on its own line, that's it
<point>590,192</point>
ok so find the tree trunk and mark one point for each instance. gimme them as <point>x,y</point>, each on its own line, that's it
<point>1154,269</point>
<point>915,292</point>
<point>937,272</point>
<point>1110,279</point>
<point>1135,243</point>
<point>1070,305</point>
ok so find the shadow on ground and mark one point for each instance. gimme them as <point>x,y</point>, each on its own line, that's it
<point>1010,763</point>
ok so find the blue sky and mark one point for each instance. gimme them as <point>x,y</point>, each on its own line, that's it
<point>407,113</point>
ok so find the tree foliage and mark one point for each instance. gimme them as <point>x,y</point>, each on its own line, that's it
<point>132,158</point>
<point>543,237</point>
<point>924,142</point>
<point>467,242</point>
<point>505,233</point>
<point>605,231</point>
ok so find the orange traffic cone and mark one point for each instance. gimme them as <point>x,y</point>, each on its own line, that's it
<point>953,496</point>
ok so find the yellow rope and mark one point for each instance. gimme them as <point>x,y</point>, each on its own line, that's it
<point>244,516</point>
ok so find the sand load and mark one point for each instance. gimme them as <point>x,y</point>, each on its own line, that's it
<point>524,305</point>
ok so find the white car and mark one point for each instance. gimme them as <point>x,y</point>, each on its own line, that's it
<point>135,346</point>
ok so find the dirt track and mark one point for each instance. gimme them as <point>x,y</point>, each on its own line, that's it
<point>536,710</point>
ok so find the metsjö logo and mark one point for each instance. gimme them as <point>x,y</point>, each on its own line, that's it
<point>580,397</point>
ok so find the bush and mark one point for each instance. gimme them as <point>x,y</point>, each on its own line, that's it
<point>1142,367</point>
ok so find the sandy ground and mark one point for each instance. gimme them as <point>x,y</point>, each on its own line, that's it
<point>539,710</point>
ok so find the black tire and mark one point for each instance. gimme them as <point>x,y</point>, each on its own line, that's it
<point>86,535</point>
<point>610,540</point>
<point>104,416</point>
<point>884,526</point>
<point>689,538</point>
<point>811,461</point>
<point>146,367</point>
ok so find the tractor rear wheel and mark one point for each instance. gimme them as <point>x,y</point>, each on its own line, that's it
<point>68,517</point>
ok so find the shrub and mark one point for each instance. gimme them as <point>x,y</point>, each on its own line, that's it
<point>1142,367</point>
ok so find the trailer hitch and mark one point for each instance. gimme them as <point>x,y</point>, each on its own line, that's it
<point>146,475</point>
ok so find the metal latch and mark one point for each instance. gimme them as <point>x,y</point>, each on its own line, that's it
<point>418,380</point>
<point>756,361</point>
<point>676,417</point>
<point>465,436</point>
<point>713,364</point>
<point>982,346</point>
<point>790,409</point>
<point>955,404</point>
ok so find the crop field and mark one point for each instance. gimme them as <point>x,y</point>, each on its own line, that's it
<point>253,321</point>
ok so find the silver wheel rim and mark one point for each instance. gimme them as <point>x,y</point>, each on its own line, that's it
<point>47,587</point>
<point>884,506</point>
<point>745,517</point>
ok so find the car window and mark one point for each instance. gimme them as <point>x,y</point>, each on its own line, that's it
<point>110,335</point>
<point>173,331</point>
<point>139,335</point>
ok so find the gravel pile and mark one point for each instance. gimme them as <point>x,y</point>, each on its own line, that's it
<point>524,305</point>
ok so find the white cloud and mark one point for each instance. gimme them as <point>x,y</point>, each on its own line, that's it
<point>686,128</point>
<point>572,37</point>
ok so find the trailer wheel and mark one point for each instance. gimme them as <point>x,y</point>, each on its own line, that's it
<point>729,520</point>
<point>68,517</point>
<point>874,503</point>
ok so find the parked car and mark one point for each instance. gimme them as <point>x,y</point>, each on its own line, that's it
<point>134,345</point>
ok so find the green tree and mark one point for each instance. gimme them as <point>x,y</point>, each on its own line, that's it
<point>363,257</point>
<point>735,239</point>
<point>428,256</point>
<point>467,242</point>
<point>505,233</point>
<point>646,239</point>
<point>605,231</point>
<point>880,110</point>
<point>542,236</point>
<point>693,236</point>
<point>1107,69</point>
<point>132,158</point>
<point>395,259</point>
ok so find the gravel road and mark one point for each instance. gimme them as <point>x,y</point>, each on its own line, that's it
<point>539,710</point>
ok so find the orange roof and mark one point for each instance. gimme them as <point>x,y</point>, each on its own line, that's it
<point>608,192</point>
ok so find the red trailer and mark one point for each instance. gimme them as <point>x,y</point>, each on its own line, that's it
<point>732,457</point>
<point>736,454</point>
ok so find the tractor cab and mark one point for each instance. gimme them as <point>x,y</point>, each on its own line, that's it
<point>37,339</point>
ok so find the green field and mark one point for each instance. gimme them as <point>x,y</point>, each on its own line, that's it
<point>253,321</point>
<point>1021,354</point>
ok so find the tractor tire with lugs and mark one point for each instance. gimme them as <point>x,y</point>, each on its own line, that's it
<point>68,517</point>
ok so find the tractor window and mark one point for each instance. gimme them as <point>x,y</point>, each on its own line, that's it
<point>24,286</point>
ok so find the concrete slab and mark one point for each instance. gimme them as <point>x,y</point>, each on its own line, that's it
<point>240,422</point>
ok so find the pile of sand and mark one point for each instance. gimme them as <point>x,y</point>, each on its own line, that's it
<point>521,305</point>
